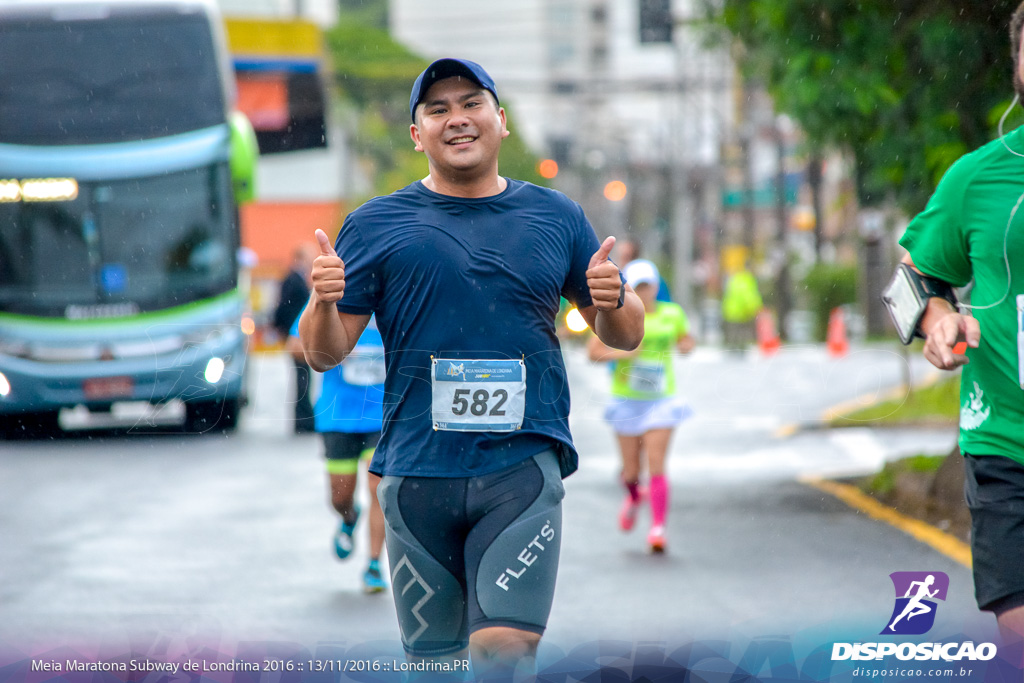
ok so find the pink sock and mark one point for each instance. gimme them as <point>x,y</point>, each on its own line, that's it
<point>659,499</point>
<point>634,490</point>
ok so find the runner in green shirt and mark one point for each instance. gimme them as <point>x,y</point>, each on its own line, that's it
<point>972,229</point>
<point>645,408</point>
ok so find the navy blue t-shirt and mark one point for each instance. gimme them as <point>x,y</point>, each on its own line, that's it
<point>467,279</point>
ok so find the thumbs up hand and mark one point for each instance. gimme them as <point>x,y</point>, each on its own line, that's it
<point>603,278</point>
<point>328,273</point>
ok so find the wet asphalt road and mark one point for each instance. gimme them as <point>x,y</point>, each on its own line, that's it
<point>163,541</point>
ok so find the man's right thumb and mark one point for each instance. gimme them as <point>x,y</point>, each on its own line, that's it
<point>325,244</point>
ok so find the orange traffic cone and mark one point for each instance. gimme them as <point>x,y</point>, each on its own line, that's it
<point>838,344</point>
<point>767,337</point>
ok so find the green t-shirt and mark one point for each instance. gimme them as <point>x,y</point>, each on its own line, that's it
<point>649,375</point>
<point>959,236</point>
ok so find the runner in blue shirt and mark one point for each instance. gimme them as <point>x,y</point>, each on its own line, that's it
<point>348,416</point>
<point>464,271</point>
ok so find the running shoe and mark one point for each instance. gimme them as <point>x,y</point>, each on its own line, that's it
<point>343,539</point>
<point>627,515</point>
<point>656,539</point>
<point>373,582</point>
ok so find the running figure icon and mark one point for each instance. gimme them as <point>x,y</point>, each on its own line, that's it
<point>916,607</point>
<point>917,594</point>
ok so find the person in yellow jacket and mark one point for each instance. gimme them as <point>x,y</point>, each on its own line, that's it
<point>645,407</point>
<point>741,302</point>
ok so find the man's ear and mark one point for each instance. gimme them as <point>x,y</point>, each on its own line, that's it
<point>414,133</point>
<point>505,132</point>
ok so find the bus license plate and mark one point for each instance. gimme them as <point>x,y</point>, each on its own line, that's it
<point>108,387</point>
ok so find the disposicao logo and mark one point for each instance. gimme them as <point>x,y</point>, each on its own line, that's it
<point>916,593</point>
<point>912,615</point>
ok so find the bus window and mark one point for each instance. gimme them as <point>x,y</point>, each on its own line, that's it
<point>98,81</point>
<point>153,242</point>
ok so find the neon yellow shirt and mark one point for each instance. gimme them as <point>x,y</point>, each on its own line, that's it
<point>741,300</point>
<point>649,374</point>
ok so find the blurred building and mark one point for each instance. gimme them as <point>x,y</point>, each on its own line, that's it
<point>322,12</point>
<point>282,79</point>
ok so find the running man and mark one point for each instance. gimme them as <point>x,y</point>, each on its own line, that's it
<point>645,408</point>
<point>968,233</point>
<point>464,270</point>
<point>348,415</point>
<point>915,606</point>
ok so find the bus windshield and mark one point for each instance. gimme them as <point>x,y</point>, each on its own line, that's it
<point>126,77</point>
<point>124,246</point>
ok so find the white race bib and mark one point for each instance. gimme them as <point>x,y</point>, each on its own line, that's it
<point>478,395</point>
<point>647,378</point>
<point>364,369</point>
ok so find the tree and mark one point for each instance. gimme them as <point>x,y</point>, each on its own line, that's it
<point>906,86</point>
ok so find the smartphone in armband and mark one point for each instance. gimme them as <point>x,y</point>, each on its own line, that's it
<point>906,298</point>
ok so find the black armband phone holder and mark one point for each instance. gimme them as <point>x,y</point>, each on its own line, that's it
<point>906,298</point>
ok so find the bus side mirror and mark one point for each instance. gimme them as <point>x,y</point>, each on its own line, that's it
<point>244,154</point>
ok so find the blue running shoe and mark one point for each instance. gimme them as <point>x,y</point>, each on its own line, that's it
<point>343,540</point>
<point>373,581</point>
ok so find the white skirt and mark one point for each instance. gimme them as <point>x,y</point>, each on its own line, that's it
<point>635,417</point>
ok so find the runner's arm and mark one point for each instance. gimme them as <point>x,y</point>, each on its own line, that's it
<point>686,343</point>
<point>598,351</point>
<point>327,334</point>
<point>943,327</point>
<point>621,328</point>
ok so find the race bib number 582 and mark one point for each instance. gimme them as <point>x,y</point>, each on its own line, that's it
<point>478,395</point>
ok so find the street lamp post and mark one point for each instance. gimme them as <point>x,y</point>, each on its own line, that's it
<point>782,283</point>
<point>682,191</point>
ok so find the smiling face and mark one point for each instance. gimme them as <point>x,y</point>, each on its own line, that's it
<point>459,126</point>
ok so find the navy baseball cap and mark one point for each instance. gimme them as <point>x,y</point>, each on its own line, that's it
<point>446,68</point>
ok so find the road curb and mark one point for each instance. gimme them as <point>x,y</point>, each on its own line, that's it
<point>824,421</point>
<point>868,400</point>
<point>951,547</point>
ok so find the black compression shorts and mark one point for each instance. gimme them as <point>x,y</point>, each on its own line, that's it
<point>473,552</point>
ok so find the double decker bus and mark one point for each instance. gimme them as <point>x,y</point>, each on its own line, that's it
<point>122,163</point>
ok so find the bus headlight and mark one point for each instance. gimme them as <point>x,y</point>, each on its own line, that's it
<point>5,386</point>
<point>214,370</point>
